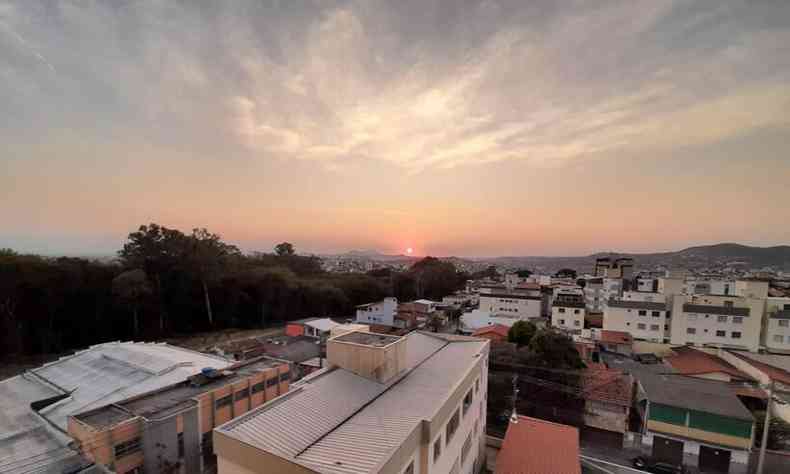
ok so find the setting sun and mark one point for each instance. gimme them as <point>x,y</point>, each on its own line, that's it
<point>409,250</point>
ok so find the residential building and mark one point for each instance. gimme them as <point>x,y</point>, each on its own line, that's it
<point>461,298</point>
<point>36,405</point>
<point>496,333</point>
<point>382,312</point>
<point>777,325</point>
<point>513,304</point>
<point>717,321</point>
<point>698,418</point>
<point>609,267</point>
<point>617,342</point>
<point>534,446</point>
<point>479,319</point>
<point>594,295</point>
<point>170,428</point>
<point>608,395</point>
<point>646,316</point>
<point>317,328</point>
<point>412,314</point>
<point>406,404</point>
<point>695,363</point>
<point>568,311</point>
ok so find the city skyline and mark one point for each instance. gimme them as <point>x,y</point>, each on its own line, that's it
<point>483,129</point>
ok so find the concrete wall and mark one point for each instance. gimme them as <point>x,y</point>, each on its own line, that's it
<point>514,307</point>
<point>707,325</point>
<point>699,435</point>
<point>629,320</point>
<point>605,416</point>
<point>572,319</point>
<point>378,363</point>
<point>382,312</point>
<point>160,445</point>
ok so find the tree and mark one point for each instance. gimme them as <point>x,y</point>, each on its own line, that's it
<point>521,333</point>
<point>566,273</point>
<point>283,249</point>
<point>131,287</point>
<point>524,273</point>
<point>434,278</point>
<point>550,348</point>
<point>206,255</point>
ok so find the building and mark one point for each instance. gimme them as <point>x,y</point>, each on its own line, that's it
<point>617,342</point>
<point>516,305</point>
<point>382,312</point>
<point>171,427</point>
<point>717,321</point>
<point>35,406</point>
<point>460,298</point>
<point>693,421</point>
<point>534,446</point>
<point>594,295</point>
<point>777,325</point>
<point>620,268</point>
<point>644,315</point>
<point>385,404</point>
<point>695,363</point>
<point>568,311</point>
<point>608,394</point>
<point>414,313</point>
<point>317,328</point>
<point>495,333</point>
<point>479,319</point>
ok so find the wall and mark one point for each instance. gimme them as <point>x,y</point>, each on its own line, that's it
<point>382,312</point>
<point>294,329</point>
<point>572,319</point>
<point>511,305</point>
<point>776,327</point>
<point>378,363</point>
<point>628,320</point>
<point>706,327</point>
<point>235,457</point>
<point>691,447</point>
<point>606,416</point>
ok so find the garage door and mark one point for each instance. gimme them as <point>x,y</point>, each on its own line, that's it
<point>597,437</point>
<point>667,450</point>
<point>714,460</point>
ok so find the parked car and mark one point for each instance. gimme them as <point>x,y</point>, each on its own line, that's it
<point>657,467</point>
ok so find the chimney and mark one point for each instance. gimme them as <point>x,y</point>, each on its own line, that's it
<point>374,356</point>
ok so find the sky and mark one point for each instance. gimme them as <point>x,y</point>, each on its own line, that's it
<point>458,127</point>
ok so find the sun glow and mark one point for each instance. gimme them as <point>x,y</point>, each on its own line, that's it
<point>409,251</point>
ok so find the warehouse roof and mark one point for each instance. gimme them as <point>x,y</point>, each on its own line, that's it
<point>339,422</point>
<point>693,394</point>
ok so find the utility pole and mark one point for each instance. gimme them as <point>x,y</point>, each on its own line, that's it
<point>766,427</point>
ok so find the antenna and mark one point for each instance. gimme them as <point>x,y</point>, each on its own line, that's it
<point>513,415</point>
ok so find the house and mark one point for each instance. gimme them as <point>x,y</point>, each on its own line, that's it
<point>534,446</point>
<point>517,305</point>
<point>693,421</point>
<point>777,325</point>
<point>384,404</point>
<point>643,315</point>
<point>382,312</point>
<point>412,314</point>
<point>35,406</point>
<point>318,328</point>
<point>172,426</point>
<point>608,395</point>
<point>495,333</point>
<point>568,311</point>
<point>618,342</point>
<point>695,363</point>
<point>479,319</point>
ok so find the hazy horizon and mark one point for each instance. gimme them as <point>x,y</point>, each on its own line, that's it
<point>476,128</point>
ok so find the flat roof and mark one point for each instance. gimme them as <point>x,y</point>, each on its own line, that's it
<point>327,423</point>
<point>367,338</point>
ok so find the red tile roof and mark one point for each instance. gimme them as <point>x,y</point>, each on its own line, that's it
<point>607,385</point>
<point>689,361</point>
<point>535,446</point>
<point>775,373</point>
<point>616,337</point>
<point>500,329</point>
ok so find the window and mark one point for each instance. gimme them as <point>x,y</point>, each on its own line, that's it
<point>409,468</point>
<point>654,327</point>
<point>575,311</point>
<point>465,448</point>
<point>181,445</point>
<point>778,338</point>
<point>452,426</point>
<point>721,333</point>
<point>467,401</point>
<point>656,314</point>
<point>561,321</point>
<point>641,326</point>
<point>561,310</point>
<point>784,323</point>
<point>127,447</point>
<point>258,387</point>
<point>737,320</point>
<point>437,448</point>
<point>722,319</point>
<point>691,330</point>
<point>692,317</point>
<point>736,335</point>
<point>271,382</point>
<point>240,395</point>
<point>224,401</point>
<point>285,376</point>
<point>728,304</point>
<point>642,312</point>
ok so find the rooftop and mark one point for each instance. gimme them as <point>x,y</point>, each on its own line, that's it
<point>534,446</point>
<point>647,305</point>
<point>689,361</point>
<point>500,329</point>
<point>367,338</point>
<point>607,385</point>
<point>710,309</point>
<point>616,337</point>
<point>327,423</point>
<point>777,367</point>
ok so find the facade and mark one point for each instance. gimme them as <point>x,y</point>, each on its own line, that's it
<point>717,321</point>
<point>607,399</point>
<point>169,430</point>
<point>411,404</point>
<point>36,406</point>
<point>699,418</point>
<point>534,446</point>
<point>568,311</point>
<point>646,316</point>
<point>594,295</point>
<point>621,268</point>
<point>511,304</point>
<point>460,298</point>
<point>777,325</point>
<point>382,312</point>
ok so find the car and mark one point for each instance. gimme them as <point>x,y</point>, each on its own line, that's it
<point>657,467</point>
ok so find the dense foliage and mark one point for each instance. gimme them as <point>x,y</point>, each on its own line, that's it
<point>167,282</point>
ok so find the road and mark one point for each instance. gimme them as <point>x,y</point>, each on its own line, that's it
<point>594,465</point>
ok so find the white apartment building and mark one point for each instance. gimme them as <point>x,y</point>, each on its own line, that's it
<point>516,305</point>
<point>594,295</point>
<point>405,405</point>
<point>717,321</point>
<point>568,311</point>
<point>382,312</point>
<point>646,316</point>
<point>777,325</point>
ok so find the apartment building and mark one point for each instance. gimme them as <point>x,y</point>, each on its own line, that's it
<point>594,295</point>
<point>410,404</point>
<point>717,321</point>
<point>169,430</point>
<point>518,305</point>
<point>382,312</point>
<point>646,316</point>
<point>608,267</point>
<point>777,325</point>
<point>568,311</point>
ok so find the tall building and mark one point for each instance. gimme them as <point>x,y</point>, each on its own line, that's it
<point>646,316</point>
<point>406,404</point>
<point>609,267</point>
<point>568,311</point>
